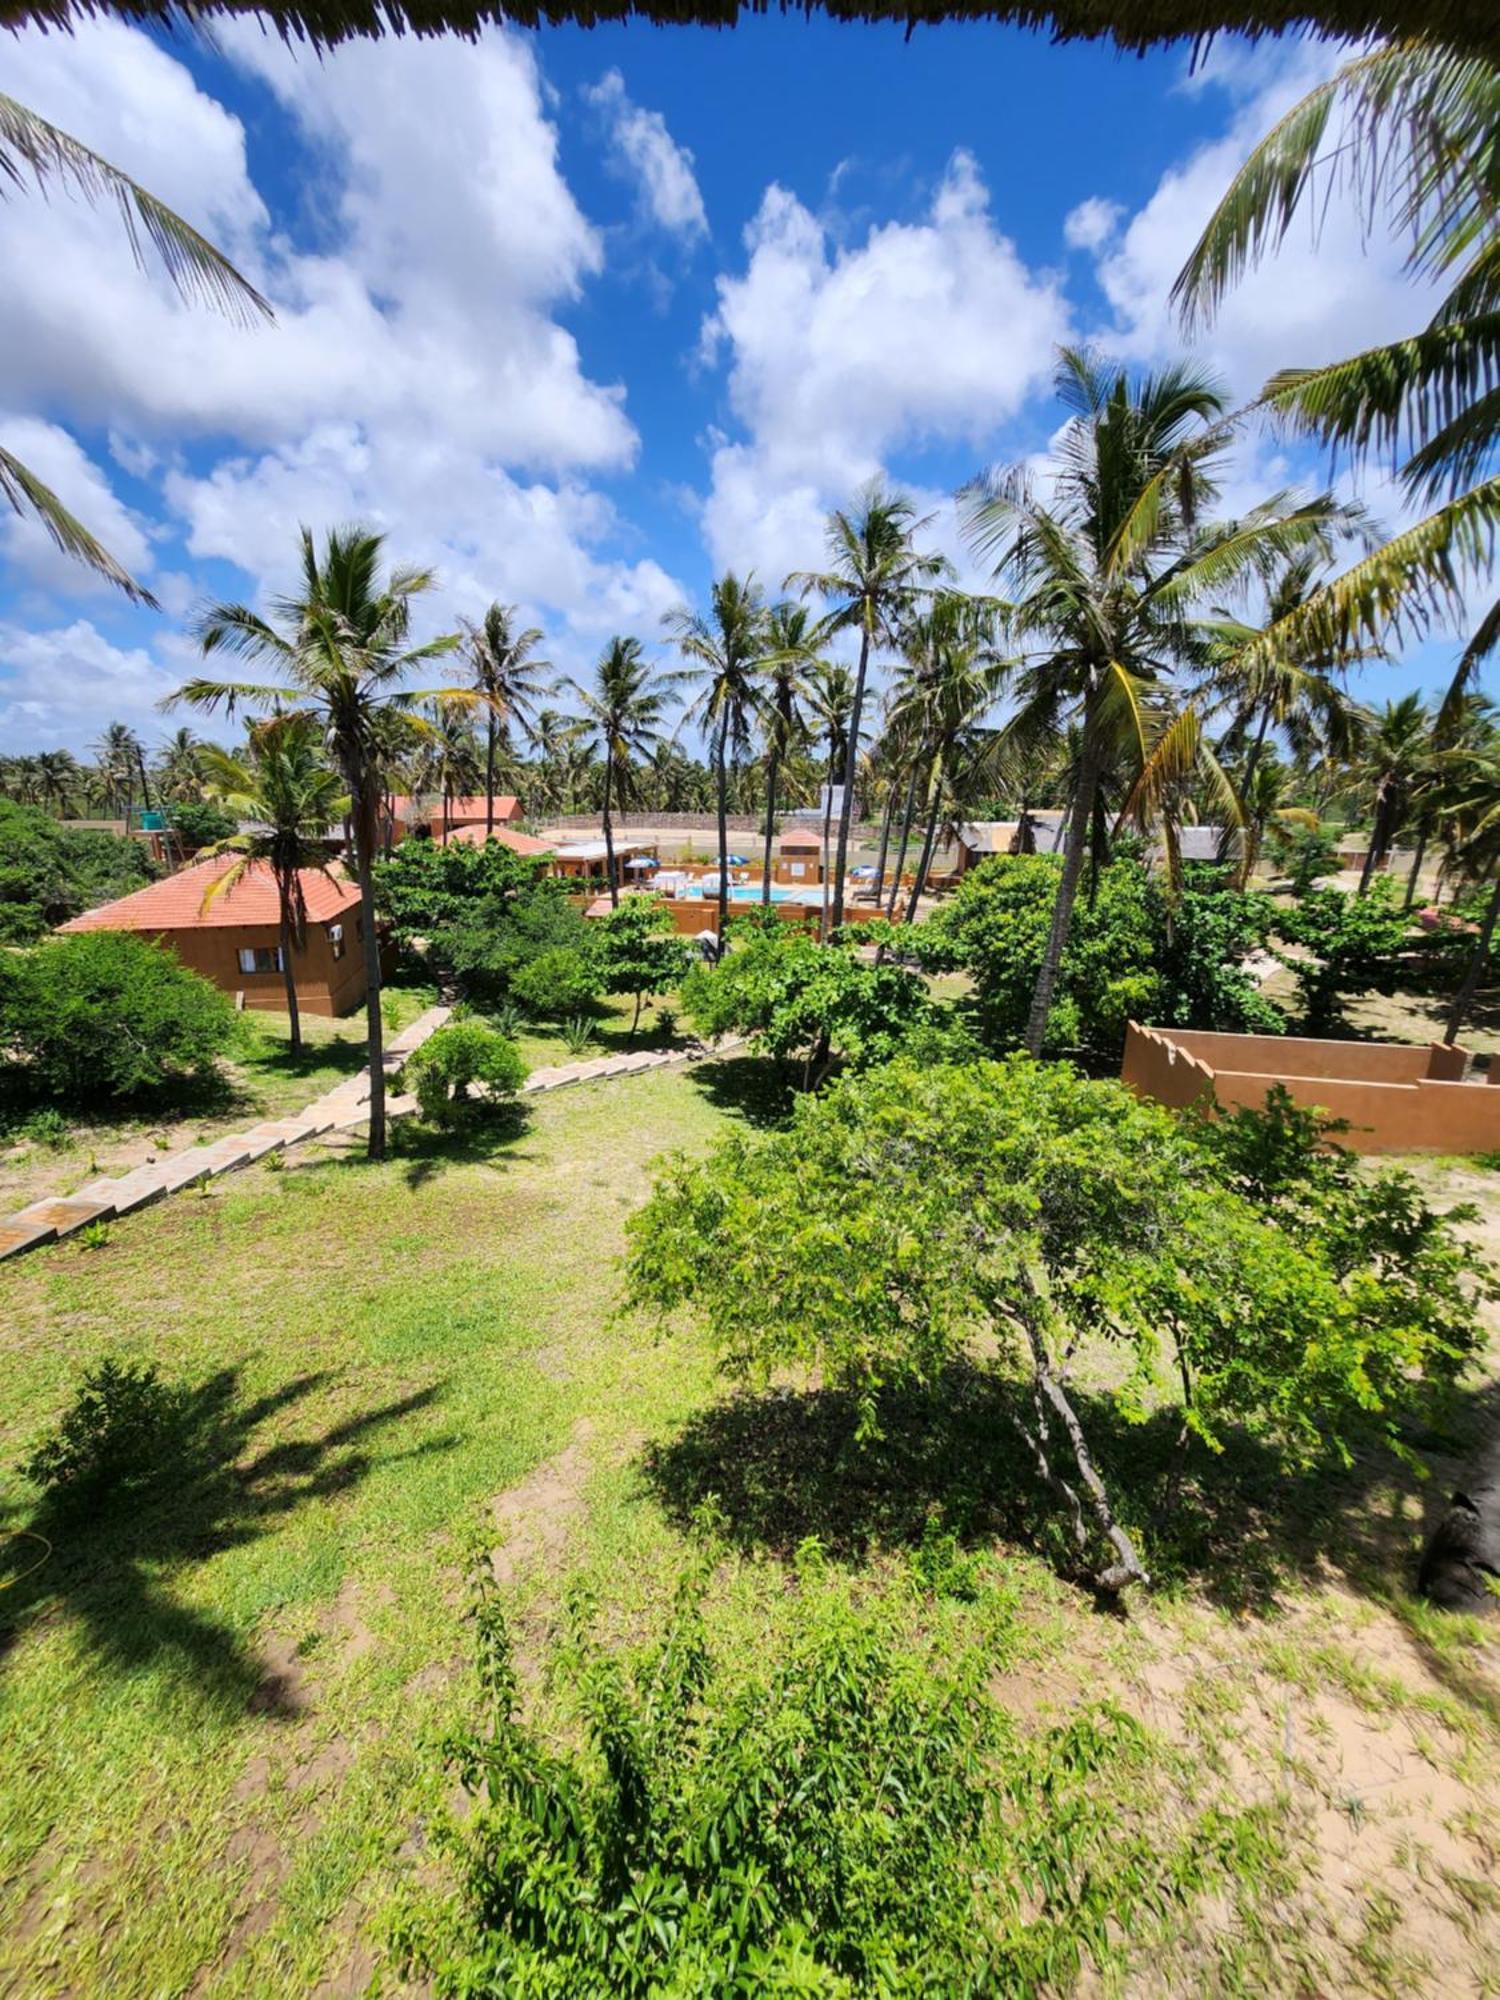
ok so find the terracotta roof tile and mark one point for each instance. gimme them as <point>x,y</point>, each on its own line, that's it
<point>518,843</point>
<point>176,904</point>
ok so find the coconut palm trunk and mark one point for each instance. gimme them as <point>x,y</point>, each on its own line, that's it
<point>363,813</point>
<point>287,935</point>
<point>721,778</point>
<point>773,774</point>
<point>1080,818</point>
<point>1413,880</point>
<point>886,818</point>
<point>489,776</point>
<point>1479,958</point>
<point>609,833</point>
<point>929,841</point>
<point>851,767</point>
<point>906,826</point>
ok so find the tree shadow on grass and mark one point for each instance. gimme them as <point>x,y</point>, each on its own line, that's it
<point>753,1088</point>
<point>112,1560</point>
<point>1236,1526</point>
<point>424,1151</point>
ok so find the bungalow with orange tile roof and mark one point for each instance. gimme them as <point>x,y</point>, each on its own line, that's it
<point>474,835</point>
<point>235,940</point>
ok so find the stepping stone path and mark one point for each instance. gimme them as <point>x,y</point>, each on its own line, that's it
<point>338,1110</point>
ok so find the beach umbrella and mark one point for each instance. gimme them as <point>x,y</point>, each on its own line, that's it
<point>641,861</point>
<point>733,861</point>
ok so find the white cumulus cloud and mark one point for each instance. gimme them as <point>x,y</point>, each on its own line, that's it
<point>646,151</point>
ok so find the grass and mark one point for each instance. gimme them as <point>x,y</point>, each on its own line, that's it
<point>222,1710</point>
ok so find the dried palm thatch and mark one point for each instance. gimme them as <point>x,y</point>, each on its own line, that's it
<point>1469,25</point>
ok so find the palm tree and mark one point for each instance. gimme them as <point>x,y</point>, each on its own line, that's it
<point>506,679</point>
<point>831,700</point>
<point>624,713</point>
<point>1392,750</point>
<point>342,644</point>
<point>29,145</point>
<point>729,651</point>
<point>179,767</point>
<point>941,708</point>
<point>790,660</point>
<point>1469,782</point>
<point>57,778</point>
<point>121,759</point>
<point>873,576</point>
<point>291,797</point>
<point>447,758</point>
<point>1106,578</point>
<point>1418,140</point>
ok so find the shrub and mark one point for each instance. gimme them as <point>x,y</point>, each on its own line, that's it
<point>805,1002</point>
<point>838,1810</point>
<point>201,823</point>
<point>111,1436</point>
<point>1358,944</point>
<point>556,983</point>
<point>1135,953</point>
<point>50,871</point>
<point>450,1062</point>
<point>106,1015</point>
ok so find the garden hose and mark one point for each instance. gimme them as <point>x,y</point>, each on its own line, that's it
<point>26,1535</point>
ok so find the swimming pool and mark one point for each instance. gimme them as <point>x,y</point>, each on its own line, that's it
<point>749,892</point>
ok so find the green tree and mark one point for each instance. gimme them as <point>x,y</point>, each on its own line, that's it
<point>1390,757</point>
<point>290,798</point>
<point>624,713</point>
<point>481,914</point>
<point>791,659</point>
<point>727,652</point>
<point>341,642</point>
<point>1349,945</point>
<point>803,1003</point>
<point>636,950</point>
<point>874,576</point>
<point>50,871</point>
<point>30,146</point>
<point>450,1063</point>
<point>507,680</point>
<point>1106,575</point>
<point>447,757</point>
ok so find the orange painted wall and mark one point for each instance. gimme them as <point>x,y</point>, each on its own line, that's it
<point>325,984</point>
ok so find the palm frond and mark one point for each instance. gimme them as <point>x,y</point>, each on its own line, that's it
<point>29,495</point>
<point>195,267</point>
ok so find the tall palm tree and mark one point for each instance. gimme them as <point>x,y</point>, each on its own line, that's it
<point>507,680</point>
<point>728,651</point>
<point>341,642</point>
<point>1106,576</point>
<point>1469,780</point>
<point>624,712</point>
<point>1392,751</point>
<point>1417,141</point>
<point>831,702</point>
<point>57,778</point>
<point>179,767</point>
<point>291,798</point>
<point>791,658</point>
<point>121,759</point>
<point>29,146</point>
<point>941,709</point>
<point>447,758</point>
<point>872,578</point>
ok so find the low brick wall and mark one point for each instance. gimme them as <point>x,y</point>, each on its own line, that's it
<point>1392,1098</point>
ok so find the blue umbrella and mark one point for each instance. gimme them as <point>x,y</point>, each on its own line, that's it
<point>642,861</point>
<point>733,861</point>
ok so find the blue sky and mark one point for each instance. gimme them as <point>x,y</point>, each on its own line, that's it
<point>581,318</point>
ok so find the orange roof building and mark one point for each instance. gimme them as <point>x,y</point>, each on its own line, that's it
<point>234,940</point>
<point>411,812</point>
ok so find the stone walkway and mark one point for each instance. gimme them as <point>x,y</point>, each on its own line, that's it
<point>338,1110</point>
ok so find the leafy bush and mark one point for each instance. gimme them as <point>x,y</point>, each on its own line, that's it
<point>637,950</point>
<point>103,1014</point>
<point>110,1438</point>
<point>556,983</point>
<point>449,1063</point>
<point>918,1215</point>
<point>201,823</point>
<point>1134,953</point>
<point>805,1002</point>
<point>839,1810</point>
<point>482,912</point>
<point>1359,944</point>
<point>50,871</point>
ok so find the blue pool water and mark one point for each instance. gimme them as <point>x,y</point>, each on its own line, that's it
<point>747,892</point>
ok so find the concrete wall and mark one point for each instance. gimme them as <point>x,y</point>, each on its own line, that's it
<point>325,984</point>
<point>1392,1099</point>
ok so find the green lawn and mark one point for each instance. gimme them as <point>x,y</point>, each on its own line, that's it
<point>221,1710</point>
